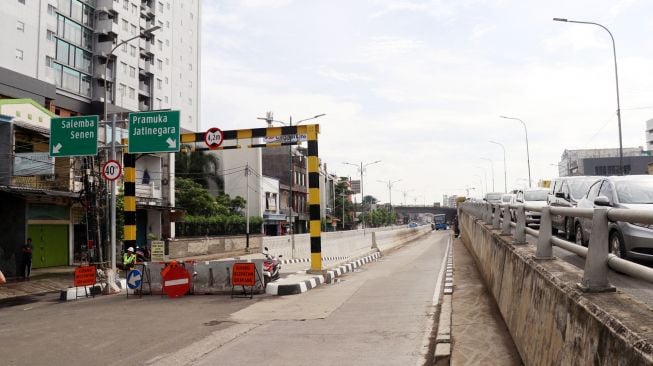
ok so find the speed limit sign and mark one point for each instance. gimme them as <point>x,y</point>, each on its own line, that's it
<point>111,170</point>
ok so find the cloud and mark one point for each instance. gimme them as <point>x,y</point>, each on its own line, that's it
<point>331,73</point>
<point>480,30</point>
<point>578,37</point>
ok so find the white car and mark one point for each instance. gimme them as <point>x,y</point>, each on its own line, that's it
<point>534,197</point>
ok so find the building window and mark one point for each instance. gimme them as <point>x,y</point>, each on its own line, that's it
<point>132,50</point>
<point>191,16</point>
<point>168,6</point>
<point>125,4</point>
<point>134,32</point>
<point>165,99</point>
<point>158,84</point>
<point>132,71</point>
<point>50,9</point>
<point>20,26</point>
<point>160,43</point>
<point>158,103</point>
<point>167,43</point>
<point>190,67</point>
<point>21,2</point>
<point>50,35</point>
<point>167,80</point>
<point>167,24</point>
<point>190,101</point>
<point>19,54</point>
<point>167,61</point>
<point>134,9</point>
<point>124,47</point>
<point>190,83</point>
<point>125,25</point>
<point>159,64</point>
<point>131,93</point>
<point>160,7</point>
<point>48,61</point>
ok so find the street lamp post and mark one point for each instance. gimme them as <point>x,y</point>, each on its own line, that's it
<point>492,165</point>
<point>112,194</point>
<point>484,175</point>
<point>362,172</point>
<point>528,154</point>
<point>616,79</point>
<point>269,119</point>
<point>505,174</point>
<point>390,183</point>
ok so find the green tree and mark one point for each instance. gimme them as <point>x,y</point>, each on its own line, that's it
<point>195,199</point>
<point>342,188</point>
<point>201,167</point>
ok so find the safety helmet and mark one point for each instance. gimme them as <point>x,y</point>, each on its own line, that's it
<point>130,249</point>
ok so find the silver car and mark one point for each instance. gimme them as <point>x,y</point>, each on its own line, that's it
<point>566,192</point>
<point>627,240</point>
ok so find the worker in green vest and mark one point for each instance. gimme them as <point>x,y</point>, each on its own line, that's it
<point>129,259</point>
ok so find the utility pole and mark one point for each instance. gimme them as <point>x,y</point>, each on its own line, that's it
<point>247,209</point>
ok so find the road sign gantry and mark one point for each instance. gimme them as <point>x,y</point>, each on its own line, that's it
<point>310,131</point>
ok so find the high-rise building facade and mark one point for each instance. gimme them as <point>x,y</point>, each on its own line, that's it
<point>56,52</point>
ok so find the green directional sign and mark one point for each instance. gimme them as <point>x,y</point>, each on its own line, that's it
<point>154,132</point>
<point>73,136</point>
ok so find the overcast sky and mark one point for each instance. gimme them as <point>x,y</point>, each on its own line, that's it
<point>420,85</point>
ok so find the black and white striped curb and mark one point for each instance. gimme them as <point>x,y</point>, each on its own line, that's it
<point>295,287</point>
<point>448,275</point>
<point>303,285</point>
<point>303,260</point>
<point>349,267</point>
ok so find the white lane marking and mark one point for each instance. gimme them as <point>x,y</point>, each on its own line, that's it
<point>438,285</point>
<point>181,281</point>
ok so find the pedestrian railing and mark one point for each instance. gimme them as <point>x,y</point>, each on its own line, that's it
<point>598,258</point>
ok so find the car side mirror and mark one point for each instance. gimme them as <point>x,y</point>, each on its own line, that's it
<point>602,201</point>
<point>520,200</point>
<point>560,195</point>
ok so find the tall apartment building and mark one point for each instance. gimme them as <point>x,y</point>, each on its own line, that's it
<point>649,135</point>
<point>56,52</point>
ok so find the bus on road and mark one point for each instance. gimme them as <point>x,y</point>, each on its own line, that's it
<point>440,221</point>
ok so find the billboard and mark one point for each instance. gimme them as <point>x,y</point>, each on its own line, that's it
<point>355,186</point>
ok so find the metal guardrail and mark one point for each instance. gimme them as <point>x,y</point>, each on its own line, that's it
<point>598,258</point>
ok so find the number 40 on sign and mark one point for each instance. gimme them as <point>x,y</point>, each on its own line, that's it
<point>111,170</point>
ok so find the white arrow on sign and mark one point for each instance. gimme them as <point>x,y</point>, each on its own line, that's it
<point>171,143</point>
<point>134,279</point>
<point>56,148</point>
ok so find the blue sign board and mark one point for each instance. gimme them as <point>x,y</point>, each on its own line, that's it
<point>134,278</point>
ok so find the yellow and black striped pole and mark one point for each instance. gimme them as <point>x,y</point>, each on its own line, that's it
<point>314,199</point>
<point>129,210</point>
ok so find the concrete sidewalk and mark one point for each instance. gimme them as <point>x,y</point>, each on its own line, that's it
<point>479,335</point>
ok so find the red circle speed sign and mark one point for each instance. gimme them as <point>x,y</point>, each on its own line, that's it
<point>176,280</point>
<point>213,137</point>
<point>111,170</point>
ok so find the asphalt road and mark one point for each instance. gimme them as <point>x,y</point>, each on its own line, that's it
<point>379,315</point>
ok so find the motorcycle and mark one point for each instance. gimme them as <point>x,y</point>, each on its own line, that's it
<point>142,254</point>
<point>271,267</point>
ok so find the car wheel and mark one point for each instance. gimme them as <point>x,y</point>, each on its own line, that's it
<point>570,235</point>
<point>579,235</point>
<point>617,245</point>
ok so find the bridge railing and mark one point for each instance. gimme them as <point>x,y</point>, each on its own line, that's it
<point>598,258</point>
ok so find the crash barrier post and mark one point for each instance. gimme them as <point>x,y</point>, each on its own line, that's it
<point>595,276</point>
<point>496,218</point>
<point>520,228</point>
<point>544,247</point>
<point>505,225</point>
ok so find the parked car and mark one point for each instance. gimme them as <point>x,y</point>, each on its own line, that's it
<point>493,197</point>
<point>626,240</point>
<point>509,199</point>
<point>534,197</point>
<point>566,192</point>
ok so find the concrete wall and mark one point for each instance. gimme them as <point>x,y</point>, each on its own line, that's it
<point>190,247</point>
<point>550,320</point>
<point>351,243</point>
